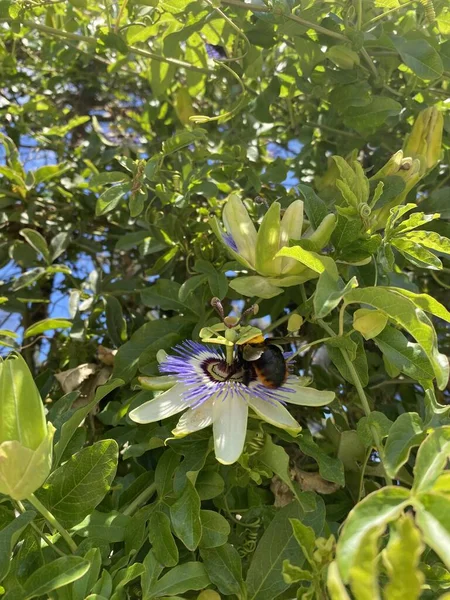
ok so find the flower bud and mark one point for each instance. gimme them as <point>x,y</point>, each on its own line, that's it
<point>208,595</point>
<point>25,436</point>
<point>295,322</point>
<point>425,139</point>
<point>369,322</point>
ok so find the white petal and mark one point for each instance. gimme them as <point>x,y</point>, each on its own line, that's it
<point>163,406</point>
<point>229,428</point>
<point>306,396</point>
<point>275,413</point>
<point>195,419</point>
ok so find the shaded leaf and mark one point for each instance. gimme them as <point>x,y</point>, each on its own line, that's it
<point>75,489</point>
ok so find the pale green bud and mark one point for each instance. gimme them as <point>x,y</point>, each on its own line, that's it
<point>295,322</point>
<point>425,139</point>
<point>25,437</point>
<point>369,322</point>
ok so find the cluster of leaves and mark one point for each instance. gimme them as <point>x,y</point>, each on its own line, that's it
<point>147,115</point>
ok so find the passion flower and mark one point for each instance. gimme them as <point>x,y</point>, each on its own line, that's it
<point>215,392</point>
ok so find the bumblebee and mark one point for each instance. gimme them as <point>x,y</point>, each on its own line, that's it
<point>263,361</point>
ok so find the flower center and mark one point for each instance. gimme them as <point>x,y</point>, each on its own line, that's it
<point>220,371</point>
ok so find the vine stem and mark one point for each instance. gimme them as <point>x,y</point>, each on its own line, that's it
<point>359,17</point>
<point>141,499</point>
<point>388,12</point>
<point>120,15</point>
<point>49,543</point>
<point>53,521</point>
<point>360,390</point>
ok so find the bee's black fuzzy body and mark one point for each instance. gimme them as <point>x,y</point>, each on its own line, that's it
<point>268,366</point>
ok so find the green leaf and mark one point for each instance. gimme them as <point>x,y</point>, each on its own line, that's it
<point>335,586</point>
<point>152,571</point>
<point>9,536</point>
<point>190,285</point>
<point>276,458</point>
<point>27,278</point>
<point>315,207</point>
<point>416,253</point>
<point>306,539</point>
<point>76,417</point>
<point>59,244</point>
<point>124,576</point>
<point>209,484</point>
<point>84,584</point>
<point>110,527</point>
<point>45,325</point>
<point>420,57</point>
<point>431,459</point>
<point>111,198</point>
<point>183,139</point>
<point>376,509</point>
<point>49,172</point>
<point>426,303</point>
<point>408,357</point>
<point>375,421</point>
<point>109,177</point>
<point>162,540</point>
<point>293,574</point>
<point>432,516</point>
<point>264,577</point>
<point>137,201</point>
<point>75,489</point>
<point>369,118</point>
<point>430,239</point>
<point>401,559</point>
<point>62,130</point>
<point>164,472</point>
<point>150,336</point>
<point>115,322</point>
<point>165,295</point>
<point>36,241</point>
<point>360,362</point>
<point>405,312</point>
<point>363,574</point>
<point>185,517</point>
<point>180,579</point>
<point>224,568</point>
<point>215,529</point>
<point>54,575</point>
<point>218,283</point>
<point>330,468</point>
<point>406,432</point>
<point>329,292</point>
<point>437,201</point>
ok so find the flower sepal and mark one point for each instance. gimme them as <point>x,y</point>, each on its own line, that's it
<point>26,439</point>
<point>23,470</point>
